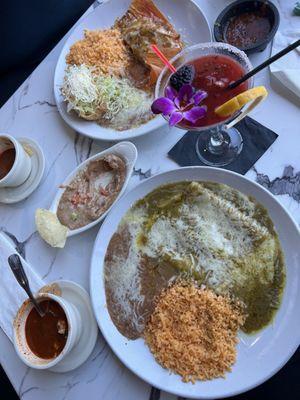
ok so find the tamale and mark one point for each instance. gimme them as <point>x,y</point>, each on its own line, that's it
<point>144,24</point>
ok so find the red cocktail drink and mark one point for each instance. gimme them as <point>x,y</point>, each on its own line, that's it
<point>189,98</point>
<point>213,73</point>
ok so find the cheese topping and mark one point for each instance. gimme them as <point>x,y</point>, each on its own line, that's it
<point>208,232</point>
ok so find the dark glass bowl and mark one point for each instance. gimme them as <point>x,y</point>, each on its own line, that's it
<point>241,6</point>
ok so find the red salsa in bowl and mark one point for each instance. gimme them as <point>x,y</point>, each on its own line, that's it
<point>247,29</point>
<point>248,25</point>
<point>7,159</point>
<point>46,336</point>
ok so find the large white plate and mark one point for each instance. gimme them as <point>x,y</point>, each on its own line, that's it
<point>187,18</point>
<point>259,356</point>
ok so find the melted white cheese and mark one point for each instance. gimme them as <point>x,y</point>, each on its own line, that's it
<point>210,234</point>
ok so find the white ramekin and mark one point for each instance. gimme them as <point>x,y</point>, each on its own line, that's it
<point>22,166</point>
<point>20,343</point>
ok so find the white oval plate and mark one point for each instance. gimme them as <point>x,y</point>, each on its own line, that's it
<point>127,151</point>
<point>188,20</point>
<point>259,356</point>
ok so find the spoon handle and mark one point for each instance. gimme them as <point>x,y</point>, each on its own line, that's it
<point>16,266</point>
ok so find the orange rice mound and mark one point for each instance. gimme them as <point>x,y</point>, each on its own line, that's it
<point>193,332</point>
<point>103,49</point>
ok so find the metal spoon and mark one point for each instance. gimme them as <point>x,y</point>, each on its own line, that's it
<point>16,266</point>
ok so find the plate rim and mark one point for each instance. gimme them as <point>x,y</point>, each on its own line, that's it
<point>126,134</point>
<point>118,353</point>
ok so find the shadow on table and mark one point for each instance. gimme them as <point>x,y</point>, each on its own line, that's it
<point>34,28</point>
<point>7,392</point>
<point>284,385</point>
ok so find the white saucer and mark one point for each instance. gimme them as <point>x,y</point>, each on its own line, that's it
<point>14,194</point>
<point>79,297</point>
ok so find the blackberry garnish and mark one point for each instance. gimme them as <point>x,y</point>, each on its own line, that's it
<point>183,76</point>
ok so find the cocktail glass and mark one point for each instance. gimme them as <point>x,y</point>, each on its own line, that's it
<point>217,144</point>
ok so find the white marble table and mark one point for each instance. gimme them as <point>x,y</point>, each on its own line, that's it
<point>31,112</point>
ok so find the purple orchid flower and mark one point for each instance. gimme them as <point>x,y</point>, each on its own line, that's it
<point>181,105</point>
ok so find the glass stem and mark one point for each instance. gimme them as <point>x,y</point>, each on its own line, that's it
<point>217,141</point>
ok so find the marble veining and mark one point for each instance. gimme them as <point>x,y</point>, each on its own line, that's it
<point>19,246</point>
<point>53,163</point>
<point>154,394</point>
<point>69,386</point>
<point>98,3</point>
<point>49,270</point>
<point>36,103</point>
<point>103,354</point>
<point>288,183</point>
<point>141,174</point>
<point>22,392</point>
<point>82,147</point>
<point>32,112</point>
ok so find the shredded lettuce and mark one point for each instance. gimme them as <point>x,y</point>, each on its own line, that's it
<point>80,91</point>
<point>95,96</point>
<point>117,94</point>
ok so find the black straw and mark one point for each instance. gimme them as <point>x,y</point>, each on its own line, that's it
<point>265,64</point>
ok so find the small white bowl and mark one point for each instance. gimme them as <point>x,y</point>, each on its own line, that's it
<point>127,151</point>
<point>22,165</point>
<point>14,194</point>
<point>20,343</point>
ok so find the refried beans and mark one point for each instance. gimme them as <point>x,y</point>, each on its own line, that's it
<point>92,191</point>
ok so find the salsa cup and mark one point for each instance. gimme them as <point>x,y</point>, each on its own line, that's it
<point>19,337</point>
<point>21,168</point>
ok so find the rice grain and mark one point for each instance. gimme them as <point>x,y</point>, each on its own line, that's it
<point>193,332</point>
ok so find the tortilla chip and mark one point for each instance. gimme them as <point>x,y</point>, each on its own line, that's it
<point>50,228</point>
